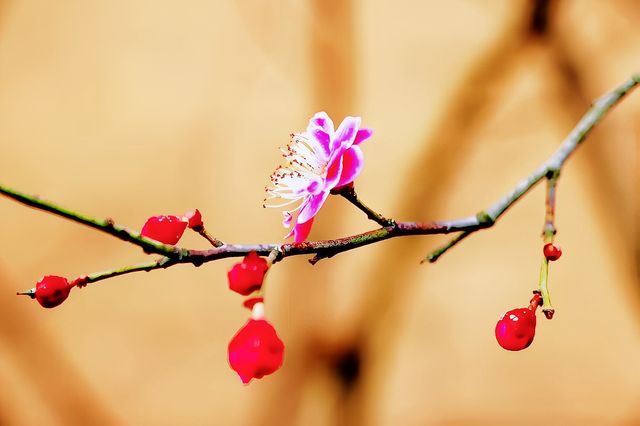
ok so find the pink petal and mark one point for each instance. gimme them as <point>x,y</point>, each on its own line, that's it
<point>333,172</point>
<point>301,231</point>
<point>311,208</point>
<point>315,187</point>
<point>362,135</point>
<point>346,133</point>
<point>290,233</point>
<point>288,218</point>
<point>352,164</point>
<point>321,119</point>
<point>322,138</point>
<point>286,222</point>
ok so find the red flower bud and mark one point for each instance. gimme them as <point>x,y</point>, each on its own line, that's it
<point>516,329</point>
<point>52,290</point>
<point>247,276</point>
<point>256,350</point>
<point>194,219</point>
<point>165,229</point>
<point>551,252</point>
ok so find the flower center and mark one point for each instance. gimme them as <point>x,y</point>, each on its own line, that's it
<point>302,176</point>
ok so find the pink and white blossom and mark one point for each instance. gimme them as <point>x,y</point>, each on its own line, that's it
<point>319,160</point>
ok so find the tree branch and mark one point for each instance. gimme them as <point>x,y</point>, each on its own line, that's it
<point>329,248</point>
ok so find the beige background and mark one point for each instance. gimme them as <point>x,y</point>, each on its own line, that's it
<point>133,108</point>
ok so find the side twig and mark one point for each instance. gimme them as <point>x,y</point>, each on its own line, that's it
<point>349,193</point>
<point>548,234</point>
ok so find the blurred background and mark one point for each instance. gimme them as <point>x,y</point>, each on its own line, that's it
<point>134,108</point>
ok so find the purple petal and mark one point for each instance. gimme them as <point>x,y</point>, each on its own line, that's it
<point>362,135</point>
<point>321,120</point>
<point>311,209</point>
<point>301,231</point>
<point>346,133</point>
<point>352,164</point>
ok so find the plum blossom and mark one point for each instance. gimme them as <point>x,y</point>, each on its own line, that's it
<point>319,160</point>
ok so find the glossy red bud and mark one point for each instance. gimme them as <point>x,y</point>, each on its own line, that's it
<point>52,290</point>
<point>256,350</point>
<point>551,252</point>
<point>194,219</point>
<point>247,276</point>
<point>516,329</point>
<point>165,229</point>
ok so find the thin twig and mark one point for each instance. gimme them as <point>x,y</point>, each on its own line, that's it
<point>349,193</point>
<point>435,255</point>
<point>549,228</point>
<point>161,263</point>
<point>548,234</point>
<point>207,236</point>
<point>104,225</point>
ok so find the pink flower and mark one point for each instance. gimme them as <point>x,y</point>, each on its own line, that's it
<point>320,159</point>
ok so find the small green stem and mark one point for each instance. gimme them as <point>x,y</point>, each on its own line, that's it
<point>548,233</point>
<point>549,228</point>
<point>212,240</point>
<point>547,308</point>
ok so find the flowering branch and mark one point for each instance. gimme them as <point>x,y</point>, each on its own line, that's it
<point>321,249</point>
<point>328,248</point>
<point>321,161</point>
